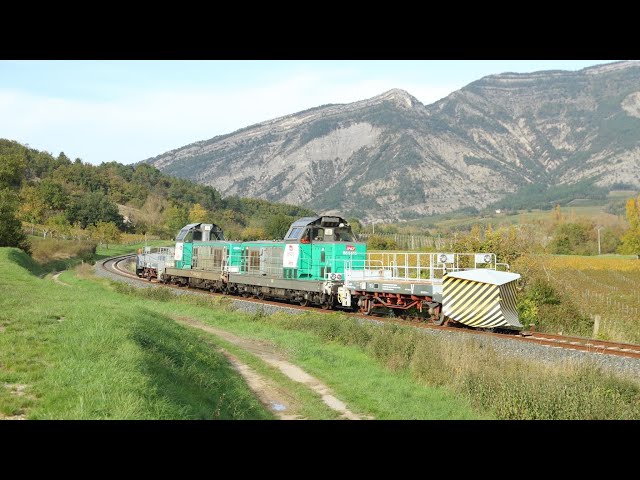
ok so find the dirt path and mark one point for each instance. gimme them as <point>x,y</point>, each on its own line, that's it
<point>57,280</point>
<point>266,352</point>
<point>277,399</point>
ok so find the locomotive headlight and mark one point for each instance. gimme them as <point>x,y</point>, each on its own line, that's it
<point>338,276</point>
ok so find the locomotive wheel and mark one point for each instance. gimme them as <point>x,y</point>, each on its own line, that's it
<point>304,302</point>
<point>326,305</point>
<point>367,309</point>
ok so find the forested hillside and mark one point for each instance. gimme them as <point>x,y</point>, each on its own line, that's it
<point>60,195</point>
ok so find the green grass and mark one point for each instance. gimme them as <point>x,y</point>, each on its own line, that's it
<point>357,378</point>
<point>398,372</point>
<point>114,250</point>
<point>106,350</point>
<point>87,353</point>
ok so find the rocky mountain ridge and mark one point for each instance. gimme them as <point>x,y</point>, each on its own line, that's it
<point>391,158</point>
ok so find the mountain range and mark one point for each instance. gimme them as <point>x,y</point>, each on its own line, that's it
<point>392,158</point>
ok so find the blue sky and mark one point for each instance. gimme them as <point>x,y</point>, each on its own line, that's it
<point>128,111</point>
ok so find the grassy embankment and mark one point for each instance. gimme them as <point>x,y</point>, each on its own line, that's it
<point>379,371</point>
<point>398,372</point>
<point>56,255</point>
<point>76,353</point>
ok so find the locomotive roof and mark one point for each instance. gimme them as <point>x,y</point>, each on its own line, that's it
<point>192,225</point>
<point>304,221</point>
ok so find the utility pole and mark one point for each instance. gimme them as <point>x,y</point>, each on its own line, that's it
<point>599,228</point>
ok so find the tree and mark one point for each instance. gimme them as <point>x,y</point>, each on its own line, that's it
<point>105,232</point>
<point>252,233</point>
<point>32,206</point>
<point>356,225</point>
<point>557,214</point>
<point>12,170</point>
<point>376,242</point>
<point>53,195</point>
<point>573,238</point>
<point>58,225</point>
<point>176,217</point>
<point>197,214</point>
<point>631,239</point>
<point>92,208</point>
<point>277,226</point>
<point>13,163</point>
<point>633,212</point>
<point>11,234</point>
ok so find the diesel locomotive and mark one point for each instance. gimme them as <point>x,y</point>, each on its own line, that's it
<point>321,262</point>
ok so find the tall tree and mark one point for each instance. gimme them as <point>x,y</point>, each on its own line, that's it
<point>175,218</point>
<point>90,209</point>
<point>278,225</point>
<point>11,234</point>
<point>105,233</point>
<point>197,214</point>
<point>13,163</point>
<point>631,238</point>
<point>12,170</point>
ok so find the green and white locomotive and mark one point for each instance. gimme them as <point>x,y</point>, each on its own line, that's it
<point>307,267</point>
<point>321,262</point>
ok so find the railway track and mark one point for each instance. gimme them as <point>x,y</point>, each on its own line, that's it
<point>115,265</point>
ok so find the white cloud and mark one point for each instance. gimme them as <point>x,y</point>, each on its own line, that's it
<point>138,125</point>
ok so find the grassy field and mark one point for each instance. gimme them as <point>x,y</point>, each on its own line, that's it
<point>81,353</point>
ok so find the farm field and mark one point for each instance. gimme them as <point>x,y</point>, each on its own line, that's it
<point>607,286</point>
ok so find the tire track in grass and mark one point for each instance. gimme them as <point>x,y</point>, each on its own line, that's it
<point>268,355</point>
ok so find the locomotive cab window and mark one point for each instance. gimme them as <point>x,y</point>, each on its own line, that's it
<point>182,235</point>
<point>343,235</point>
<point>317,234</point>
<point>294,234</point>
